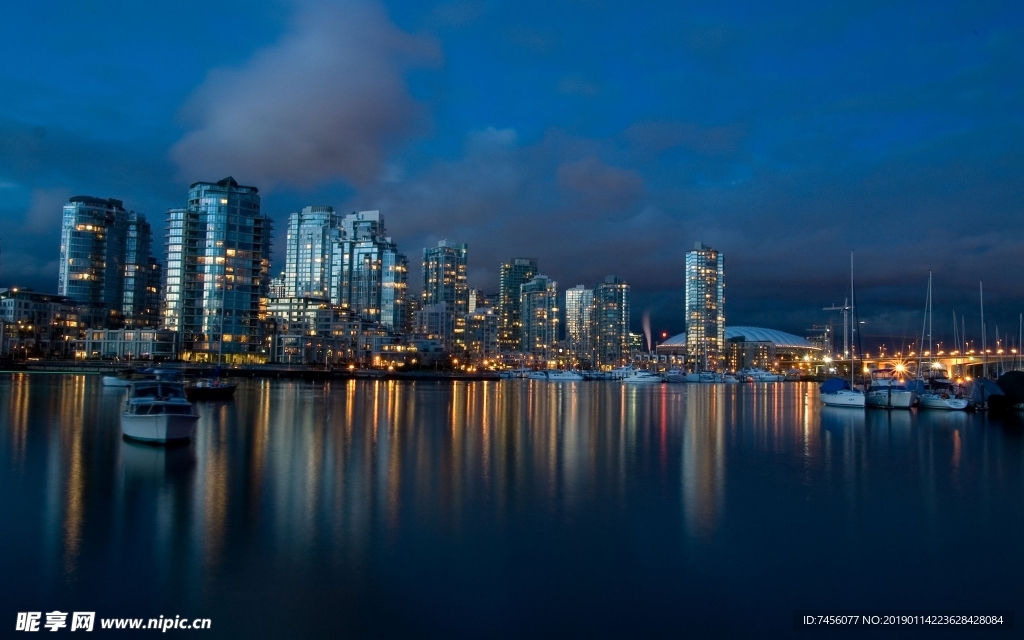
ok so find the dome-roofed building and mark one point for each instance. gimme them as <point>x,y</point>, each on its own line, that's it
<point>747,347</point>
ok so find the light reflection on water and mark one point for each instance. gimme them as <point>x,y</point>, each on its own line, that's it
<point>452,508</point>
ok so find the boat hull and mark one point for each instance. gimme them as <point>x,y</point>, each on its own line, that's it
<point>642,380</point>
<point>933,401</point>
<point>163,427</point>
<point>114,381</point>
<point>843,399</point>
<point>895,399</point>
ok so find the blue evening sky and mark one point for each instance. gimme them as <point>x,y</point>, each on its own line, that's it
<point>600,137</point>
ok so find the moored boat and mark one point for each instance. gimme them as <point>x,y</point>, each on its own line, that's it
<point>158,411</point>
<point>889,390</point>
<point>640,376</point>
<point>754,374</point>
<point>209,389</point>
<point>837,392</point>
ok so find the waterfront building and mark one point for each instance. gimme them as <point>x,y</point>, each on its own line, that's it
<point>369,275</point>
<point>304,330</point>
<point>477,300</point>
<point>579,323</point>
<point>482,335</point>
<point>42,324</point>
<point>309,241</point>
<point>218,273</point>
<point>444,283</point>
<point>146,343</point>
<point>435,322</point>
<point>611,322</point>
<point>748,347</point>
<point>514,274</point>
<point>705,307</point>
<point>106,261</point>
<point>538,313</point>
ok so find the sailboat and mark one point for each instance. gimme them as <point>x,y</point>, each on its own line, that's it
<point>838,392</point>
<point>939,392</point>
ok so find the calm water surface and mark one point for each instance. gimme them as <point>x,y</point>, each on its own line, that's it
<point>511,508</point>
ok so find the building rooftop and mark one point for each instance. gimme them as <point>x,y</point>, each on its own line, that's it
<point>751,334</point>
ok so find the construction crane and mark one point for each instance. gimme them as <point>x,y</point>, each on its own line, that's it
<point>846,308</point>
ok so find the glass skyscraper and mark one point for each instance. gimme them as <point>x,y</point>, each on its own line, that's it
<point>369,275</point>
<point>579,322</point>
<point>308,247</point>
<point>538,310</point>
<point>611,322</point>
<point>514,274</point>
<point>218,272</point>
<point>106,262</point>
<point>444,283</point>
<point>705,307</point>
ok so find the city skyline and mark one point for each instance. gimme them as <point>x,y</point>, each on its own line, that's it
<point>802,144</point>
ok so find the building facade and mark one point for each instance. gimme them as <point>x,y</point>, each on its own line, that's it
<point>705,307</point>
<point>538,312</point>
<point>370,275</point>
<point>445,284</point>
<point>482,335</point>
<point>218,273</point>
<point>611,322</point>
<point>311,234</point>
<point>106,261</point>
<point>579,323</point>
<point>514,274</point>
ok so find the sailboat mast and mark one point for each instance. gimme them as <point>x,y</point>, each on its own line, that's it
<point>852,327</point>
<point>984,356</point>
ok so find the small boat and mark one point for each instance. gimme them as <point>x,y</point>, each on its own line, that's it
<point>941,400</point>
<point>158,411</point>
<point>640,376</point>
<point>755,374</point>
<point>837,392</point>
<point>889,390</point>
<point>564,376</point>
<point>701,376</point>
<point>674,375</point>
<point>126,378</point>
<point>537,375</point>
<point>209,389</point>
<point>509,374</point>
<point>728,378</point>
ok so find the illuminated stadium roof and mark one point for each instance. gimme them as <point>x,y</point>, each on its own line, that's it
<point>751,334</point>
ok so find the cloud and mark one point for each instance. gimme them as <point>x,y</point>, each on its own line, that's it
<point>328,101</point>
<point>45,213</point>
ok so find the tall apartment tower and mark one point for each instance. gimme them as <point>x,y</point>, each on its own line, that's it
<point>538,310</point>
<point>308,246</point>
<point>579,322</point>
<point>611,322</point>
<point>444,283</point>
<point>142,274</point>
<point>514,274</point>
<point>370,275</point>
<point>705,307</point>
<point>218,270</point>
<point>105,260</point>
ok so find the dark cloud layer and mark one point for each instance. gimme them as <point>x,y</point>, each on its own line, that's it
<point>327,101</point>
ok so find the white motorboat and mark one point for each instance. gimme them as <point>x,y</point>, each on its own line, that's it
<point>640,376</point>
<point>556,375</point>
<point>674,375</point>
<point>941,400</point>
<point>755,374</point>
<point>728,378</point>
<point>514,373</point>
<point>702,376</point>
<point>889,390</point>
<point>837,392</point>
<point>157,411</point>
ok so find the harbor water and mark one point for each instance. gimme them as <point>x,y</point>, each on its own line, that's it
<point>512,508</point>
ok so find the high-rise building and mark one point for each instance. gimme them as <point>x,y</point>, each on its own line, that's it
<point>538,312</point>
<point>579,322</point>
<point>514,274</point>
<point>705,307</point>
<point>218,272</point>
<point>106,262</point>
<point>444,283</point>
<point>309,243</point>
<point>371,276</point>
<point>482,334</point>
<point>611,322</point>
